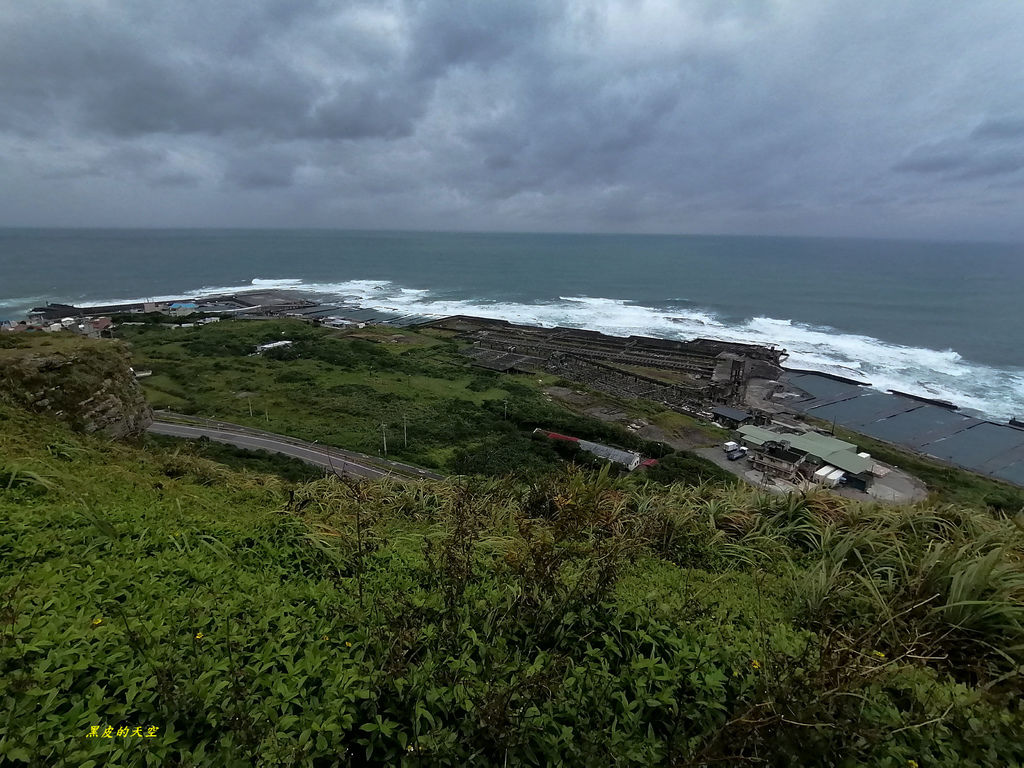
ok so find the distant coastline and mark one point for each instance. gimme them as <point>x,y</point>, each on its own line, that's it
<point>937,320</point>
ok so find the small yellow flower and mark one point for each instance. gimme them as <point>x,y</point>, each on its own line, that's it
<point>96,622</point>
<point>199,635</point>
<point>348,644</point>
<point>326,638</point>
<point>755,663</point>
<point>911,763</point>
<point>880,655</point>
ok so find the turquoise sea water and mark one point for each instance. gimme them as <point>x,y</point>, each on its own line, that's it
<point>940,319</point>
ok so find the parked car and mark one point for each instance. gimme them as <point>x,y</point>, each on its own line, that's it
<point>739,453</point>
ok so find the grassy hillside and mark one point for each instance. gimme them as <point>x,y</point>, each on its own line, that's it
<point>576,620</point>
<point>339,388</point>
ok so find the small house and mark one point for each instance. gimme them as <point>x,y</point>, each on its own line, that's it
<point>815,452</point>
<point>731,418</point>
<point>182,308</point>
<point>98,327</point>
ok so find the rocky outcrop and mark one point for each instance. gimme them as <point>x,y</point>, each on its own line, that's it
<point>88,385</point>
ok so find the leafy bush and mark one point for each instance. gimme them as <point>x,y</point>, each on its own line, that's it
<point>288,468</point>
<point>505,454</point>
<point>685,467</point>
<point>481,383</point>
<point>15,479</point>
<point>11,341</point>
<point>575,620</point>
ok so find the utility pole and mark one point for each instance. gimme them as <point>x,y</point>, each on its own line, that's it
<point>266,412</point>
<point>384,435</point>
<point>405,432</point>
<point>506,409</point>
<point>249,401</point>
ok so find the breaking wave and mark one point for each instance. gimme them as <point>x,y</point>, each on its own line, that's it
<point>997,393</point>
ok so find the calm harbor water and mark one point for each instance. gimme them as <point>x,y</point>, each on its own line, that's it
<point>940,319</point>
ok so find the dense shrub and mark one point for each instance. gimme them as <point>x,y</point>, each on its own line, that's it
<point>685,467</point>
<point>505,454</point>
<point>573,620</point>
<point>11,341</point>
<point>286,467</point>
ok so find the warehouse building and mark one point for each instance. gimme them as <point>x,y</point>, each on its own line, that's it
<point>731,418</point>
<point>805,455</point>
<point>629,459</point>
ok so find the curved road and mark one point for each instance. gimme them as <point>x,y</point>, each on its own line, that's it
<point>341,462</point>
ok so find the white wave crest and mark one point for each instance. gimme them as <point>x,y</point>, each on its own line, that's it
<point>996,392</point>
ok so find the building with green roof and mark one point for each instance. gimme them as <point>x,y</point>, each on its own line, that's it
<point>822,448</point>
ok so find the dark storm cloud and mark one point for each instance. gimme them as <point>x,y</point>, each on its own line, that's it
<point>129,81</point>
<point>994,148</point>
<point>1006,128</point>
<point>647,115</point>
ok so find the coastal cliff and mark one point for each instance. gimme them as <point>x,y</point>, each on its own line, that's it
<point>87,384</point>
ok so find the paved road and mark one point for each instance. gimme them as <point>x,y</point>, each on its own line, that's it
<point>342,462</point>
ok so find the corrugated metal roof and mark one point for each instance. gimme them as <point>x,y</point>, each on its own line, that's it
<point>628,458</point>
<point>731,413</point>
<point>829,449</point>
<point>607,452</point>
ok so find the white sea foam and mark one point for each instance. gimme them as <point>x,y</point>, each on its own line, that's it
<point>20,302</point>
<point>995,392</point>
<point>268,284</point>
<point>944,374</point>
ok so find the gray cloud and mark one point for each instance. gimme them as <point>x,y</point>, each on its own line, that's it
<point>639,115</point>
<point>261,169</point>
<point>934,159</point>
<point>982,153</point>
<point>1004,128</point>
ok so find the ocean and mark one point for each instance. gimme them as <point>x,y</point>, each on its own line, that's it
<point>943,320</point>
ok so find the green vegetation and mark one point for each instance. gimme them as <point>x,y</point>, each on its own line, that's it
<point>12,341</point>
<point>339,387</point>
<point>686,468</point>
<point>41,342</point>
<point>673,421</point>
<point>573,620</point>
<point>288,468</point>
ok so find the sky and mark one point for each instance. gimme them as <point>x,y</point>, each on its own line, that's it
<point>834,117</point>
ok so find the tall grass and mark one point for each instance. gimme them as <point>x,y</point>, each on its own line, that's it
<point>579,619</point>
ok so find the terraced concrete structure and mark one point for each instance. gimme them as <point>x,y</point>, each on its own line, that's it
<point>941,432</point>
<point>687,375</point>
